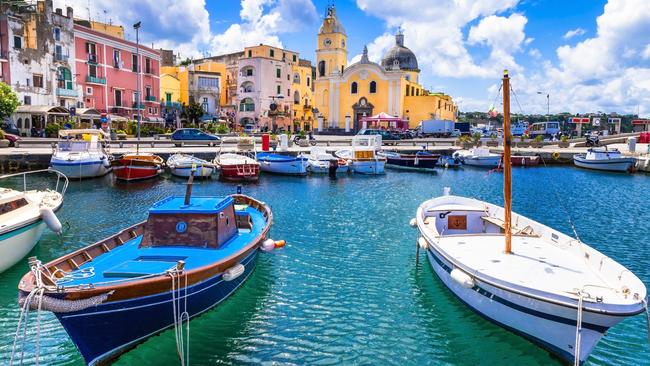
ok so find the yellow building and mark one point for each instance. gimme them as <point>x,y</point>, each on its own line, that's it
<point>303,95</point>
<point>345,94</point>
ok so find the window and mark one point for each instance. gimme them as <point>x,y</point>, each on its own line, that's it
<point>134,63</point>
<point>58,53</point>
<point>147,65</point>
<point>353,87</point>
<point>288,77</point>
<point>321,68</point>
<point>296,97</point>
<point>27,100</point>
<point>117,59</point>
<point>19,123</point>
<point>204,105</point>
<point>272,53</point>
<point>64,78</point>
<point>373,87</point>
<point>18,42</point>
<point>407,92</point>
<point>147,91</point>
<point>118,98</point>
<point>288,92</point>
<point>168,97</point>
<point>247,87</point>
<point>150,110</point>
<point>284,56</point>
<point>57,34</point>
<point>248,71</point>
<point>278,73</point>
<point>247,105</point>
<point>412,90</point>
<point>92,70</point>
<point>279,90</point>
<point>89,90</point>
<point>417,92</point>
<point>12,205</point>
<point>250,53</point>
<point>308,81</point>
<point>296,78</point>
<point>90,48</point>
<point>294,58</point>
<point>38,80</point>
<point>207,82</point>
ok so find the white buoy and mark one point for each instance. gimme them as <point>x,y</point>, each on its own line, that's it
<point>413,222</point>
<point>268,245</point>
<point>446,191</point>
<point>51,220</point>
<point>462,278</point>
<point>233,272</point>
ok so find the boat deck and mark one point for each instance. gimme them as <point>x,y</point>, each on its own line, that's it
<point>535,264</point>
<point>129,262</point>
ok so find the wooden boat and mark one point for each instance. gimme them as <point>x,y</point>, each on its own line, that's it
<point>524,276</point>
<point>188,256</point>
<point>138,166</point>
<point>24,215</point>
<point>602,158</point>
<point>283,164</point>
<point>240,166</point>
<point>182,165</point>
<point>421,160</point>
<point>81,154</point>
<point>362,156</point>
<point>521,160</point>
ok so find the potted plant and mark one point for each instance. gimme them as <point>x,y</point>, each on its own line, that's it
<point>3,142</point>
<point>564,141</point>
<point>464,141</point>
<point>245,143</point>
<point>476,139</point>
<point>273,141</point>
<point>493,140</point>
<point>52,130</point>
<point>523,141</point>
<point>539,141</point>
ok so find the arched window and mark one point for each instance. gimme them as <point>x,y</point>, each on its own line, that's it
<point>296,78</point>
<point>19,123</point>
<point>247,87</point>
<point>27,125</point>
<point>408,89</point>
<point>247,71</point>
<point>308,81</point>
<point>321,68</point>
<point>296,97</point>
<point>247,105</point>
<point>353,88</point>
<point>373,87</point>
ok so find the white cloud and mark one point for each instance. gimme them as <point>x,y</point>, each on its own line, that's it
<point>534,53</point>
<point>503,35</point>
<point>573,33</point>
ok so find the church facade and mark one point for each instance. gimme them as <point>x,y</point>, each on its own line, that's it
<point>344,93</point>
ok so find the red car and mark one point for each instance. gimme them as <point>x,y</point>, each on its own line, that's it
<point>12,139</point>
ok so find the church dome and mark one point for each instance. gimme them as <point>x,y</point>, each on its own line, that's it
<point>401,55</point>
<point>331,23</point>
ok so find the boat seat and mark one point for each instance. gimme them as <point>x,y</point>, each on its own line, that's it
<point>526,231</point>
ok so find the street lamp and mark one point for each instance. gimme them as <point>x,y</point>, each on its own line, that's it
<point>136,26</point>
<point>548,104</point>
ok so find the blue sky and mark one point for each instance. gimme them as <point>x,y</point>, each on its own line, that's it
<point>589,55</point>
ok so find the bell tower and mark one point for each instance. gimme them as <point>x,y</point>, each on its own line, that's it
<point>331,51</point>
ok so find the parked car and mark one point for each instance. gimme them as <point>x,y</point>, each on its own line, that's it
<point>187,135</point>
<point>385,135</point>
<point>406,135</point>
<point>12,139</point>
<point>10,128</point>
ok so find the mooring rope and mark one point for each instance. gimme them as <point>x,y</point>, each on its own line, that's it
<point>182,341</point>
<point>23,319</point>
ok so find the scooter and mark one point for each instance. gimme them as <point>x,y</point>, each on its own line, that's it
<point>592,140</point>
<point>310,137</point>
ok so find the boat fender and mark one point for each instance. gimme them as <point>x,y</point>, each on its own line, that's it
<point>422,243</point>
<point>280,244</point>
<point>233,272</point>
<point>462,278</point>
<point>413,222</point>
<point>55,305</point>
<point>555,155</point>
<point>446,191</point>
<point>52,222</point>
<point>268,245</point>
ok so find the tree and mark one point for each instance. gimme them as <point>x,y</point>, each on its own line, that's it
<point>8,101</point>
<point>193,112</point>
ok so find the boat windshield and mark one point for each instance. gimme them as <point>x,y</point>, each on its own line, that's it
<point>74,146</point>
<point>12,205</point>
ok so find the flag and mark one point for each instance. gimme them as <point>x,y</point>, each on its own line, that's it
<point>492,112</point>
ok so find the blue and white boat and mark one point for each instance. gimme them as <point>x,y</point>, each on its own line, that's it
<point>81,154</point>
<point>283,164</point>
<point>188,256</point>
<point>602,158</point>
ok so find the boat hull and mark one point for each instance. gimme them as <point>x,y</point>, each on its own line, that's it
<point>369,167</point>
<point>15,244</point>
<point>132,172</point>
<point>240,172</point>
<point>81,169</point>
<point>549,325</point>
<point>297,166</point>
<point>524,160</point>
<point>101,333</point>
<point>483,161</point>
<point>611,165</point>
<point>412,162</point>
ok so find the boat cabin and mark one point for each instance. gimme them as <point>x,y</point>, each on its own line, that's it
<point>11,200</point>
<point>206,222</point>
<point>459,219</point>
<point>79,140</point>
<point>602,153</point>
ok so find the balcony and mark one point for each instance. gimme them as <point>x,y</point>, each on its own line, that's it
<point>66,93</point>
<point>61,57</point>
<point>95,80</point>
<point>137,105</point>
<point>92,58</point>
<point>150,98</point>
<point>175,105</point>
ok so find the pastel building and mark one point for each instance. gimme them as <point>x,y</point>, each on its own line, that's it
<point>302,87</point>
<point>107,68</point>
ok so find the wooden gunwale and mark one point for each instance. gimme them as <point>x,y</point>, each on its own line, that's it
<point>153,285</point>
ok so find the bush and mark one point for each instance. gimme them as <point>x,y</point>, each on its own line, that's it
<point>222,129</point>
<point>476,137</point>
<point>564,138</point>
<point>523,137</point>
<point>131,128</point>
<point>539,138</point>
<point>2,135</point>
<point>52,129</point>
<point>464,139</point>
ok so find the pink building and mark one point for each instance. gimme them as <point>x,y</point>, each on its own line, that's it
<point>107,71</point>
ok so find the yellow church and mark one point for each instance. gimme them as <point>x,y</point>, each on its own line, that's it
<point>344,94</point>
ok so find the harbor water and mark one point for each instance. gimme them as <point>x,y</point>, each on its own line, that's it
<point>345,289</point>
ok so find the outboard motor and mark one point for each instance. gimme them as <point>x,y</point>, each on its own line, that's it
<point>334,166</point>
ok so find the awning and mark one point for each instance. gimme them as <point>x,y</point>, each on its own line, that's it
<point>579,120</point>
<point>154,120</point>
<point>116,118</point>
<point>42,109</point>
<point>88,112</point>
<point>640,121</point>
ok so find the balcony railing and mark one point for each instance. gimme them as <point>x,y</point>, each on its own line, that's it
<point>138,105</point>
<point>92,58</point>
<point>61,57</point>
<point>95,80</point>
<point>66,92</point>
<point>150,98</point>
<point>166,104</point>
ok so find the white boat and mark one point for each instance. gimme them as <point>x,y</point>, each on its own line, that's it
<point>81,154</point>
<point>526,277</point>
<point>181,165</point>
<point>479,156</point>
<point>24,215</point>
<point>240,166</point>
<point>601,158</point>
<point>362,155</point>
<point>283,164</point>
<point>319,161</point>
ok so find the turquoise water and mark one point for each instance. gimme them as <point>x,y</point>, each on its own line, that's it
<point>346,290</point>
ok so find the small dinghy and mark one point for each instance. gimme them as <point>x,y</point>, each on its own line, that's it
<point>602,158</point>
<point>137,166</point>
<point>24,215</point>
<point>182,165</point>
<point>283,164</point>
<point>421,160</point>
<point>319,162</point>
<point>188,256</point>
<point>479,156</point>
<point>450,162</point>
<point>531,279</point>
<point>81,154</point>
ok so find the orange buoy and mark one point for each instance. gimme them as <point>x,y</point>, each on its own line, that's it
<point>280,243</point>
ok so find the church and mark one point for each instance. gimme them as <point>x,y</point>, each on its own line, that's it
<point>344,94</point>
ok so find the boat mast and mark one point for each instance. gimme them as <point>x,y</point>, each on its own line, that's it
<point>507,169</point>
<point>137,56</point>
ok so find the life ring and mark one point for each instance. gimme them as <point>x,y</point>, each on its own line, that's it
<point>555,155</point>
